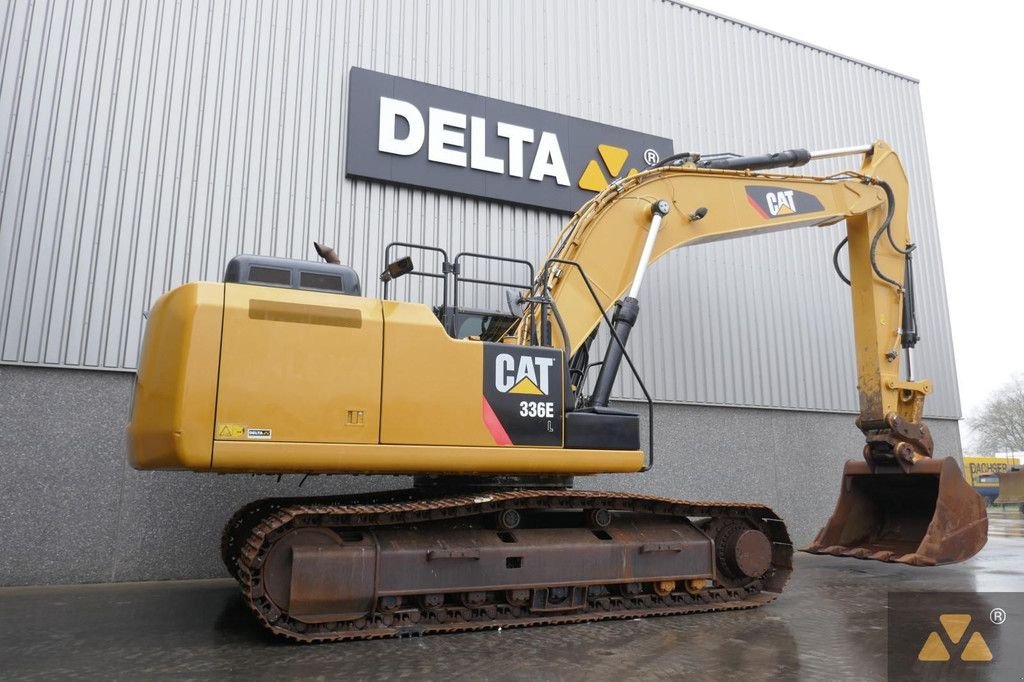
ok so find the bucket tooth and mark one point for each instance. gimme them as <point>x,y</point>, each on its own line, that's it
<point>927,515</point>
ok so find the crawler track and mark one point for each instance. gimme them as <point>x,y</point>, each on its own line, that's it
<point>263,523</point>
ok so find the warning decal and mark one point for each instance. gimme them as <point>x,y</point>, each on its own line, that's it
<point>240,432</point>
<point>230,431</point>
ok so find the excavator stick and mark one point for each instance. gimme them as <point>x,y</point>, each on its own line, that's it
<point>926,515</point>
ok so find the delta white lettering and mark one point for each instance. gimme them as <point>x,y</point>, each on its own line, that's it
<point>390,111</point>
<point>445,133</point>
<point>439,121</point>
<point>549,161</point>
<point>516,136</point>
<point>478,158</point>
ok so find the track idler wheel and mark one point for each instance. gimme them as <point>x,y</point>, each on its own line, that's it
<point>742,552</point>
<point>299,570</point>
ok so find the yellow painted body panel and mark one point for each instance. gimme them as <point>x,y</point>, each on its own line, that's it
<point>293,383</point>
<point>304,366</point>
<point>176,391</point>
<point>274,457</point>
<point>432,385</point>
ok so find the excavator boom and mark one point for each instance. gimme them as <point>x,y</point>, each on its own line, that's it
<point>896,505</point>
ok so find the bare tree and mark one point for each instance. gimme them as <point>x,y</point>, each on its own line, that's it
<point>999,427</point>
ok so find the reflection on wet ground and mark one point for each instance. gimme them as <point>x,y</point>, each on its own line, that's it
<point>1006,521</point>
<point>830,624</point>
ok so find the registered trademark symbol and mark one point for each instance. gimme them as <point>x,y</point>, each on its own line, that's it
<point>997,616</point>
<point>651,157</point>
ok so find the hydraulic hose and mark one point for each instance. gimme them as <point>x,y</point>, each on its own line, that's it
<point>835,260</point>
<point>890,212</point>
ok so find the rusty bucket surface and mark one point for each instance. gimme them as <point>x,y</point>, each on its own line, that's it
<point>925,517</point>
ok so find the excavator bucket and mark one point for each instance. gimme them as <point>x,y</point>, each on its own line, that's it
<point>927,516</point>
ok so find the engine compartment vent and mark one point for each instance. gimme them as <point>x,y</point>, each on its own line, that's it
<point>293,274</point>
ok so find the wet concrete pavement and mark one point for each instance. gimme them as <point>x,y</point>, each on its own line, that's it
<point>829,624</point>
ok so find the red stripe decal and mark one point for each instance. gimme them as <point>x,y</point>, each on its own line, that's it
<point>494,425</point>
<point>757,206</point>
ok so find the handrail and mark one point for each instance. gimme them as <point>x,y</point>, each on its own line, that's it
<point>446,267</point>
<point>457,269</point>
<point>611,328</point>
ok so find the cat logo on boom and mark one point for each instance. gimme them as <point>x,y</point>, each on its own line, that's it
<point>780,202</point>
<point>776,202</point>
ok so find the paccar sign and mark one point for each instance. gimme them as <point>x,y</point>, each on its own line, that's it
<point>411,133</point>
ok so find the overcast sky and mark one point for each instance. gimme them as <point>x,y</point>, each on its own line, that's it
<point>968,58</point>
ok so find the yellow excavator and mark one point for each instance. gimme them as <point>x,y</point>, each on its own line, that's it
<point>284,367</point>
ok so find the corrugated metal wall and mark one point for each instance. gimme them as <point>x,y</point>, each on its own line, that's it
<point>145,143</point>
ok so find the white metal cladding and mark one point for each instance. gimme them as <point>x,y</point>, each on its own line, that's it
<point>145,143</point>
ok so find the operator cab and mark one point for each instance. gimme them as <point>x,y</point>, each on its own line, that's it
<point>585,427</point>
<point>467,323</point>
<point>454,275</point>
